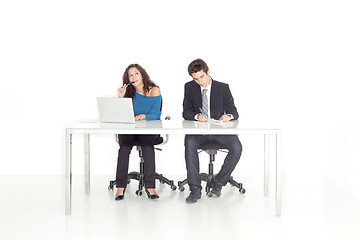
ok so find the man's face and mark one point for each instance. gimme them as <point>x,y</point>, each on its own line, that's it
<point>202,78</point>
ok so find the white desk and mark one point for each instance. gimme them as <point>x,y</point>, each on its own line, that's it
<point>171,127</point>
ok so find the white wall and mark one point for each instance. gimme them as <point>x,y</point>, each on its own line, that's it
<point>292,64</point>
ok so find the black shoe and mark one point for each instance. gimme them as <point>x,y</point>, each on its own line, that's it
<point>151,196</point>
<point>120,197</point>
<point>216,189</point>
<point>195,195</point>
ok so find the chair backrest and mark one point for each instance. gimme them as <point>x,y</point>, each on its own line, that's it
<point>159,139</point>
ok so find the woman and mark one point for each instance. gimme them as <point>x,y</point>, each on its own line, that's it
<point>146,102</point>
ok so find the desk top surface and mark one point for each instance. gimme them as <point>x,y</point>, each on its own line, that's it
<point>173,126</point>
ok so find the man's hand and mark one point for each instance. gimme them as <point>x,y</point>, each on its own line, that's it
<point>201,118</point>
<point>225,118</point>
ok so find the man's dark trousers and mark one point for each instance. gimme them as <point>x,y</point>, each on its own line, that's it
<point>193,142</point>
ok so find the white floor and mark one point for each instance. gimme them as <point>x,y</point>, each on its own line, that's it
<point>32,207</point>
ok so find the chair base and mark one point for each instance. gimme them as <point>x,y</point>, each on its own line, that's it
<point>209,179</point>
<point>211,149</point>
<point>140,177</point>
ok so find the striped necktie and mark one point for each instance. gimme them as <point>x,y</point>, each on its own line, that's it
<point>205,103</point>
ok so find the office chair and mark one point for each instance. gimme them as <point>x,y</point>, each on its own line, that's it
<point>211,149</point>
<point>139,176</point>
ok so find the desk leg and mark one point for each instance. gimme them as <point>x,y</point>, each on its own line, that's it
<point>278,173</point>
<point>68,173</point>
<point>87,164</point>
<point>266,165</point>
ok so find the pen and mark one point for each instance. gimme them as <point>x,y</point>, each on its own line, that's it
<point>129,84</point>
<point>202,112</point>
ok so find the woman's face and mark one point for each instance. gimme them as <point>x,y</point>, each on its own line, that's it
<point>135,77</point>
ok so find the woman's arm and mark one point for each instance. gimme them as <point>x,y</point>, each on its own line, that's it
<point>154,112</point>
<point>122,91</point>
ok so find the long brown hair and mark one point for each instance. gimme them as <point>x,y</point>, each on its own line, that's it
<point>148,84</point>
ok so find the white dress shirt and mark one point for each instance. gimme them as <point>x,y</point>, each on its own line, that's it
<point>208,98</point>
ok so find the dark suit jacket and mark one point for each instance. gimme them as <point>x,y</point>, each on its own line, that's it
<point>221,100</point>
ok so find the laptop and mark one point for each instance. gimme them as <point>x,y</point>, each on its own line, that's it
<point>115,110</point>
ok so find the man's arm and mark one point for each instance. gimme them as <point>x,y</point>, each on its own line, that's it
<point>230,105</point>
<point>188,111</point>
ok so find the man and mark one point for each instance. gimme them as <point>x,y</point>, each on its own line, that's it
<point>205,99</point>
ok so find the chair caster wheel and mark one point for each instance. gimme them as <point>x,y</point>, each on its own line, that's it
<point>138,192</point>
<point>209,194</point>
<point>181,189</point>
<point>242,190</point>
<point>173,187</point>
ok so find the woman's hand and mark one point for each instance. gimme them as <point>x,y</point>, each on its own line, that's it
<point>140,117</point>
<point>122,91</point>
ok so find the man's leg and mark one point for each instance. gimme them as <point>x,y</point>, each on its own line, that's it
<point>192,143</point>
<point>234,146</point>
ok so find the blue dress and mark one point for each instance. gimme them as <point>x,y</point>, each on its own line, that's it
<point>150,106</point>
